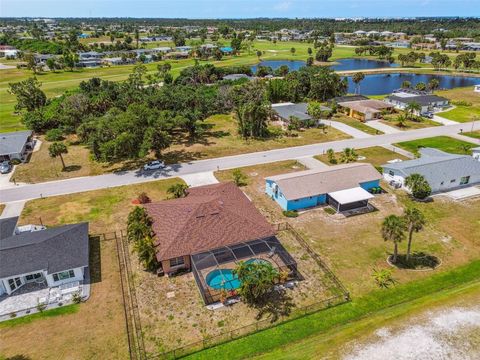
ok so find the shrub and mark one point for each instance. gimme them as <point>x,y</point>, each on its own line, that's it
<point>290,213</point>
<point>41,307</point>
<point>15,162</point>
<point>77,298</point>
<point>178,190</point>
<point>143,198</point>
<point>383,278</point>
<point>239,177</point>
<point>54,135</point>
<point>462,103</point>
<point>329,210</point>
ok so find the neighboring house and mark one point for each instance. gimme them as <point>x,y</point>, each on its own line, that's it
<point>162,49</point>
<point>346,98</point>
<point>183,48</point>
<point>476,153</point>
<point>344,187</point>
<point>15,145</point>
<point>54,256</point>
<point>442,170</point>
<point>210,217</point>
<point>365,110</point>
<point>428,102</point>
<point>283,111</point>
<point>234,77</point>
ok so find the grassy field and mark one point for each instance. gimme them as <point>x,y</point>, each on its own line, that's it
<point>391,120</point>
<point>467,104</point>
<point>334,343</point>
<point>333,319</point>
<point>218,139</point>
<point>356,124</point>
<point>443,143</point>
<point>473,134</point>
<point>96,329</point>
<point>376,155</point>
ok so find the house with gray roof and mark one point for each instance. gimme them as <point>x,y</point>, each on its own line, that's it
<point>284,111</point>
<point>428,102</point>
<point>15,145</point>
<point>47,258</point>
<point>344,187</point>
<point>442,170</point>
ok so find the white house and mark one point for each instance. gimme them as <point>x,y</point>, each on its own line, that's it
<point>52,257</point>
<point>428,102</point>
<point>443,171</point>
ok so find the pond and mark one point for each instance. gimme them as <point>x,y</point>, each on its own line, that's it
<point>380,84</point>
<point>340,65</point>
<point>359,64</point>
<point>275,64</point>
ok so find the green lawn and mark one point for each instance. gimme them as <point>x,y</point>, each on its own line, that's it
<point>443,143</point>
<point>357,124</point>
<point>467,104</point>
<point>327,320</point>
<point>69,309</point>
<point>473,134</point>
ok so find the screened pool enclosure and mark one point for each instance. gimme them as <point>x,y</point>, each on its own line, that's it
<point>213,269</point>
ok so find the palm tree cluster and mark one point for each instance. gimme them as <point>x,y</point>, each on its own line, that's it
<point>418,185</point>
<point>394,228</point>
<point>139,231</point>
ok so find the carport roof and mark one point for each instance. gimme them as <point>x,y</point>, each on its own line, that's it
<point>13,142</point>
<point>349,196</point>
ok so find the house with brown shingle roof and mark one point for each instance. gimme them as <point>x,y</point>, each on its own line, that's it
<point>344,187</point>
<point>365,110</point>
<point>209,217</point>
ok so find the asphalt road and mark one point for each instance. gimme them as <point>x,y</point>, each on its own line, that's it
<point>61,187</point>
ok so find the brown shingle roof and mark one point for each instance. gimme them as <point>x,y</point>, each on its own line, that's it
<point>364,106</point>
<point>307,183</point>
<point>209,217</point>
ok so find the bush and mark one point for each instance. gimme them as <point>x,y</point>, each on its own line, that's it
<point>329,210</point>
<point>239,177</point>
<point>383,278</point>
<point>462,103</point>
<point>54,135</point>
<point>15,162</point>
<point>290,213</point>
<point>77,298</point>
<point>143,198</point>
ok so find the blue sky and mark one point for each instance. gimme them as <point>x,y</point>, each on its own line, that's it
<point>238,8</point>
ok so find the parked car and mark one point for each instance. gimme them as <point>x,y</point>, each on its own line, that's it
<point>5,167</point>
<point>428,115</point>
<point>154,165</point>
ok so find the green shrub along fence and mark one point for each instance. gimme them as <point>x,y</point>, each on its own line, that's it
<point>341,296</point>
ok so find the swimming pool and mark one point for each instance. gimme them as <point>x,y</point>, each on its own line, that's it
<point>222,279</point>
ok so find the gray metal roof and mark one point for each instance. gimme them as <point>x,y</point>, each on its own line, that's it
<point>298,110</point>
<point>434,164</point>
<point>7,227</point>
<point>423,100</point>
<point>56,249</point>
<point>13,142</point>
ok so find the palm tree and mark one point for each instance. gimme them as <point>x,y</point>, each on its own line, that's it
<point>415,220</point>
<point>137,36</point>
<point>57,149</point>
<point>411,108</point>
<point>406,84</point>
<point>292,51</point>
<point>401,121</point>
<point>357,79</point>
<point>433,84</point>
<point>178,190</point>
<point>146,253</point>
<point>393,229</point>
<point>348,155</point>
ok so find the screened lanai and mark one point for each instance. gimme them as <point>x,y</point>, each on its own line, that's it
<point>213,269</point>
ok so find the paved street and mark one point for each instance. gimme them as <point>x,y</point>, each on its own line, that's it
<point>33,191</point>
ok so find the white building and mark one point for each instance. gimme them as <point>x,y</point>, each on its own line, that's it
<point>46,257</point>
<point>443,171</point>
